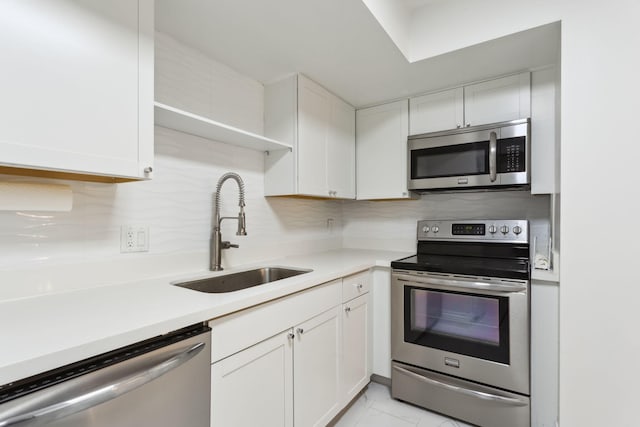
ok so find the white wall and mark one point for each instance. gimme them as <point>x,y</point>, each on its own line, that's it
<point>394,17</point>
<point>599,291</point>
<point>445,26</point>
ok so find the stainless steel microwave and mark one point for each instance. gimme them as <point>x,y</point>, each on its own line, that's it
<point>496,155</point>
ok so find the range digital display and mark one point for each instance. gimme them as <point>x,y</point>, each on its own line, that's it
<point>468,229</point>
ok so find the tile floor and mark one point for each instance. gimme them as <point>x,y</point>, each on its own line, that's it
<point>376,408</point>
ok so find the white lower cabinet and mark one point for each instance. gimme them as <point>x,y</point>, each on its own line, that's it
<point>316,380</point>
<point>355,346</point>
<point>255,386</point>
<point>296,361</point>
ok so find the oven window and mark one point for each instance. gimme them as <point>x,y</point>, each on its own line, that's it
<point>464,323</point>
<point>451,160</point>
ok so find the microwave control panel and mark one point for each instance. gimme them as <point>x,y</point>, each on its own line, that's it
<point>511,155</point>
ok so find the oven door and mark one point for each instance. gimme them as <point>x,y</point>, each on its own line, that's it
<point>473,328</point>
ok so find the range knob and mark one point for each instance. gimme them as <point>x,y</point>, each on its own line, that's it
<point>435,228</point>
<point>504,229</point>
<point>517,230</point>
<point>493,229</point>
<point>425,229</point>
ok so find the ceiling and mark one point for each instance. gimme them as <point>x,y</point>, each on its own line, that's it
<point>415,4</point>
<point>339,44</point>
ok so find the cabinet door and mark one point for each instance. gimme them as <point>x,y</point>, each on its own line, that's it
<point>500,100</point>
<point>314,107</point>
<point>341,150</point>
<point>436,111</point>
<point>316,369</point>
<point>355,345</point>
<point>544,132</point>
<point>255,386</point>
<point>381,151</point>
<point>75,76</point>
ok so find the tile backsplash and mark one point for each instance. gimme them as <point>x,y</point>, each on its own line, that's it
<point>177,206</point>
<point>391,225</point>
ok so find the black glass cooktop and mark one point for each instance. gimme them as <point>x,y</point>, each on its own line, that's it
<point>487,260</point>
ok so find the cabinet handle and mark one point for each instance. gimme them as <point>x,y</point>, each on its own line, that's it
<point>359,286</point>
<point>458,126</point>
<point>468,124</point>
<point>300,331</point>
<point>148,169</point>
<point>290,335</point>
<point>347,309</point>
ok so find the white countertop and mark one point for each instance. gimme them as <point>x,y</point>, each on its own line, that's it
<point>48,331</point>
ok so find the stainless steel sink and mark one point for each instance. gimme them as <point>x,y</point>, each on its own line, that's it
<point>241,280</point>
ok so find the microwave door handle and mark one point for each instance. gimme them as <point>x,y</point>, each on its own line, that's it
<point>493,143</point>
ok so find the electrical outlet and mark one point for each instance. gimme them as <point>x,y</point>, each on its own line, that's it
<point>134,239</point>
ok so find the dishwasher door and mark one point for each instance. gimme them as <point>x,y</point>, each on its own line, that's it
<point>163,382</point>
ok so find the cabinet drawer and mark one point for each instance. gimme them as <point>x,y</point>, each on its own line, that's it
<point>244,328</point>
<point>355,285</point>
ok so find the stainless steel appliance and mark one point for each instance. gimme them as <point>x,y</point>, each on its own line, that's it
<point>161,382</point>
<point>475,157</point>
<point>460,321</point>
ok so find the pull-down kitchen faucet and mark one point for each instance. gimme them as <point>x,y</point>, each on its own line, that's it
<point>216,236</point>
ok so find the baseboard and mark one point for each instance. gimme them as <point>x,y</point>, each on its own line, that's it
<point>381,380</point>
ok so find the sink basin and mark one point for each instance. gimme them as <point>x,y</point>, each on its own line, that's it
<point>241,280</point>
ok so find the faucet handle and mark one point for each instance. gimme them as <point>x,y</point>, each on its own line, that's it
<point>226,245</point>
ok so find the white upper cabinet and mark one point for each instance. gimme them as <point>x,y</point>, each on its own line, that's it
<point>321,129</point>
<point>381,151</point>
<point>437,111</point>
<point>499,100</point>
<point>545,147</point>
<point>341,150</point>
<point>314,114</point>
<point>77,88</point>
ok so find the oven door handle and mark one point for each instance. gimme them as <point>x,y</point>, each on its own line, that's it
<point>476,286</point>
<point>512,401</point>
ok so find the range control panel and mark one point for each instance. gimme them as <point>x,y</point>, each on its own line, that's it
<point>508,231</point>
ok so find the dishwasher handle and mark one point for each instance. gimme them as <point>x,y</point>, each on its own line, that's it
<point>89,395</point>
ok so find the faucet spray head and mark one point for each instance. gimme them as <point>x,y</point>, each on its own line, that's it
<point>242,223</point>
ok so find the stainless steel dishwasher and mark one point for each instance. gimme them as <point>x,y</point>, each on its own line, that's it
<point>160,382</point>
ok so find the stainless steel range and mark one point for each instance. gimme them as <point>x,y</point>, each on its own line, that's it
<point>460,321</point>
